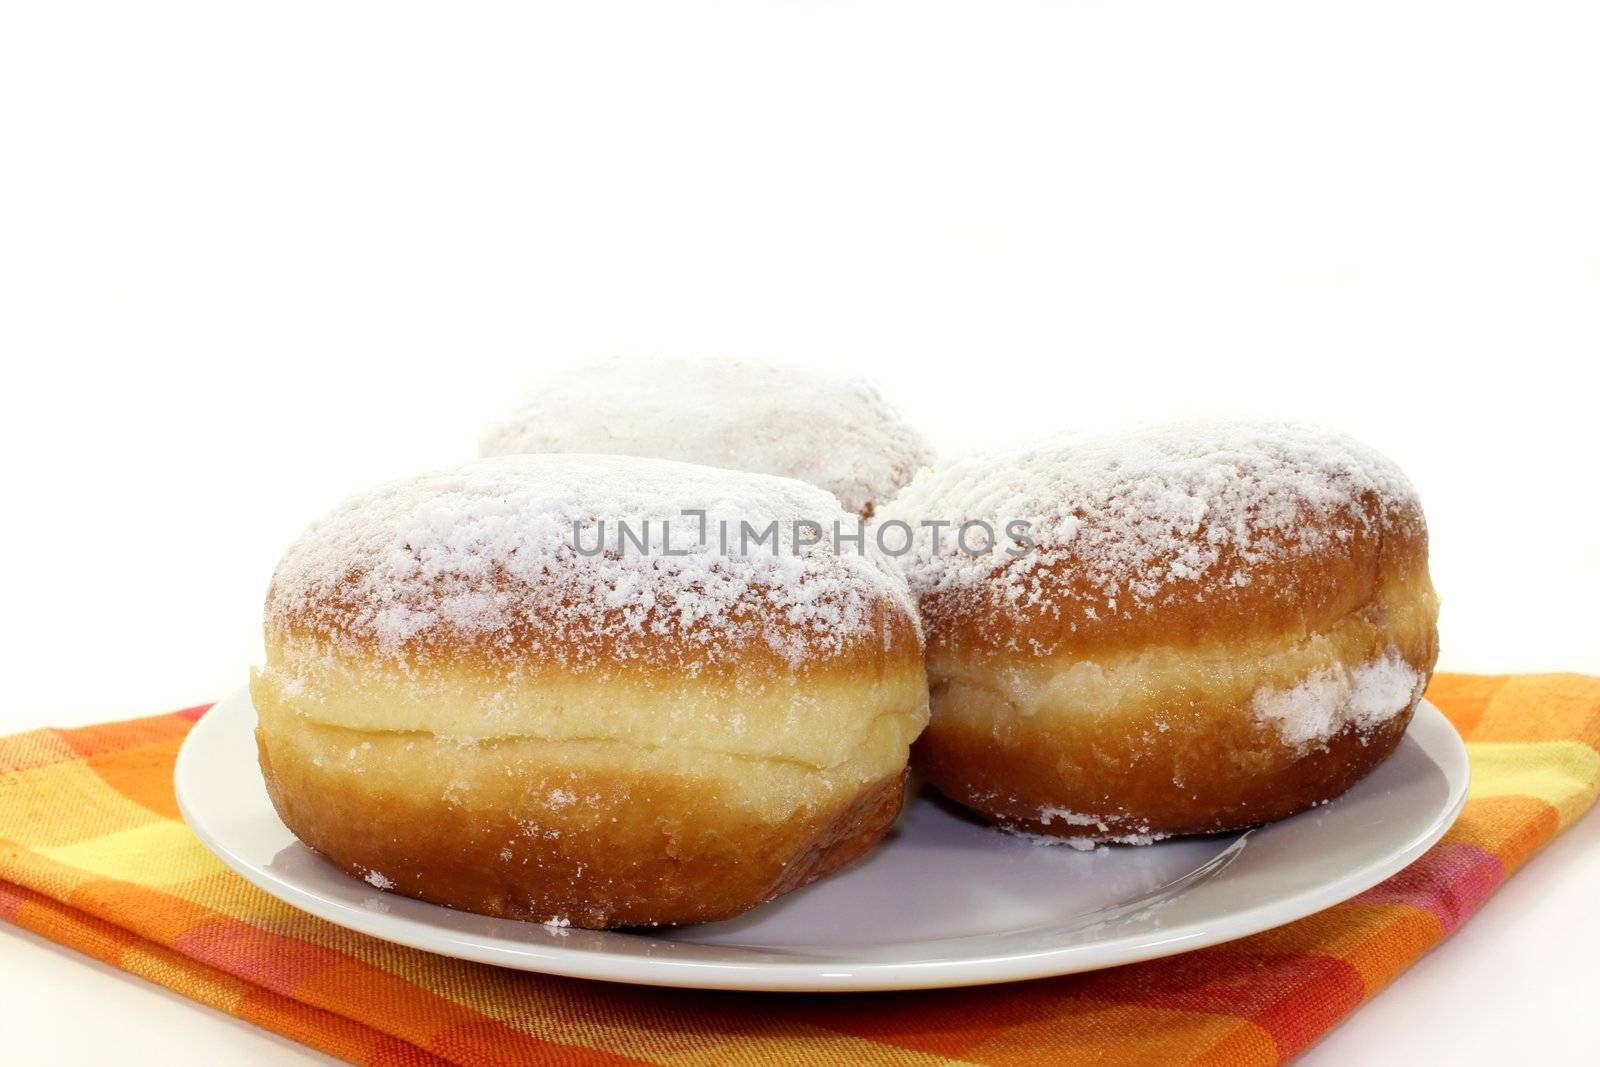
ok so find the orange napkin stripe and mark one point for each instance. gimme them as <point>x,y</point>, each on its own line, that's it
<point>93,855</point>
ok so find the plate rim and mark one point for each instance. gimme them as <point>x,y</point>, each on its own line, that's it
<point>796,976</point>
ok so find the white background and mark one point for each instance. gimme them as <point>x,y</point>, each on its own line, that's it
<point>254,256</point>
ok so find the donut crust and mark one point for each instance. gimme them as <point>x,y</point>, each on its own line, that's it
<point>1180,752</point>
<point>582,828</point>
<point>674,854</point>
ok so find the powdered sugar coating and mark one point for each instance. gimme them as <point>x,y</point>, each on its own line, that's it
<point>378,880</point>
<point>743,414</point>
<point>1102,836</point>
<point>1331,699</point>
<point>482,556</point>
<point>1143,511</point>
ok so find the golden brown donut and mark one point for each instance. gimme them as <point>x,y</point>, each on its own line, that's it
<point>1217,625</point>
<point>836,432</point>
<point>460,704</point>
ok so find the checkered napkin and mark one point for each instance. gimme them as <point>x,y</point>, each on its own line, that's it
<point>94,855</point>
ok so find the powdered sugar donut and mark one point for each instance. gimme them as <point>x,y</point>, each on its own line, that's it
<point>1196,628</point>
<point>836,433</point>
<point>531,687</point>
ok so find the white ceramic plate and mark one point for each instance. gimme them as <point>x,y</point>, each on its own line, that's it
<point>943,902</point>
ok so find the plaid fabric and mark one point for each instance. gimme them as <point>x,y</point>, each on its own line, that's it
<point>94,855</point>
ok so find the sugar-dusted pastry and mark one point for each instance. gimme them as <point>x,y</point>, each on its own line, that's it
<point>1197,628</point>
<point>837,433</point>
<point>480,692</point>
